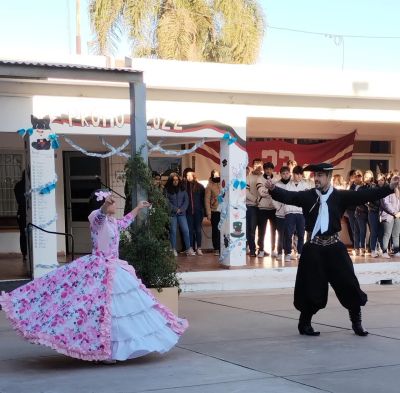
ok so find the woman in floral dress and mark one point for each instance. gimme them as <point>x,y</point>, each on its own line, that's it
<point>95,308</point>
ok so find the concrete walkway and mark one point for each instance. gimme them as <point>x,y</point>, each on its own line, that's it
<point>237,342</point>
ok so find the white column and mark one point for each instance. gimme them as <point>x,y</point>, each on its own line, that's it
<point>233,206</point>
<point>41,208</point>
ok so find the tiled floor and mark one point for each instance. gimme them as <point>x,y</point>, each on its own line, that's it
<point>12,267</point>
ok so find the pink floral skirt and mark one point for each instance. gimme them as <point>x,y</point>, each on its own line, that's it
<point>93,309</point>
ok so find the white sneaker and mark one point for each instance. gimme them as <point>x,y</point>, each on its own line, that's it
<point>175,253</point>
<point>397,254</point>
<point>374,254</point>
<point>274,254</point>
<point>386,255</point>
<point>216,252</point>
<point>190,252</point>
<point>278,256</point>
<point>261,254</point>
<point>288,258</point>
<point>199,252</point>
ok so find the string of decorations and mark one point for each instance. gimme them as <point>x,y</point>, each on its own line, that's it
<point>113,149</point>
<point>44,188</point>
<point>99,155</point>
<point>157,148</point>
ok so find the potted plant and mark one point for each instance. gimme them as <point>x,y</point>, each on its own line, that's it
<point>146,244</point>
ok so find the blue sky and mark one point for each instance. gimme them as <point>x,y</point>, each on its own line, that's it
<point>34,26</point>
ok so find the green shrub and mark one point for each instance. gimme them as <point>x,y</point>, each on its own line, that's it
<point>146,244</point>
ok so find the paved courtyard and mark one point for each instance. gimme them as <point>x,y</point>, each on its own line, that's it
<point>237,342</point>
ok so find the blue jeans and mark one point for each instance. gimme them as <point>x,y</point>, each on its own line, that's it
<point>294,222</point>
<point>373,220</point>
<point>361,222</point>
<point>251,225</point>
<point>194,222</point>
<point>174,221</point>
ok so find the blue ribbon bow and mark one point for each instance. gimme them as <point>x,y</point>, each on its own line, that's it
<point>55,144</point>
<point>220,199</point>
<point>239,184</point>
<point>22,131</point>
<point>227,137</point>
<point>47,189</point>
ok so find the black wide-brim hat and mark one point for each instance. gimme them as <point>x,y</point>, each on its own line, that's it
<point>322,167</point>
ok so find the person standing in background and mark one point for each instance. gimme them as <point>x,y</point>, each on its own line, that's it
<point>195,211</point>
<point>19,192</point>
<point>294,218</point>
<point>280,211</point>
<point>213,212</point>
<point>266,211</point>
<point>252,205</point>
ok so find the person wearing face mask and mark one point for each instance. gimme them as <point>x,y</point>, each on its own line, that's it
<point>195,211</point>
<point>213,212</point>
<point>324,259</point>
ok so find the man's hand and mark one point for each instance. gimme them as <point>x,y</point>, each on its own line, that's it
<point>269,184</point>
<point>394,182</point>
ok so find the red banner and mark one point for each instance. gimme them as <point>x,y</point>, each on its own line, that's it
<point>337,151</point>
<point>278,152</point>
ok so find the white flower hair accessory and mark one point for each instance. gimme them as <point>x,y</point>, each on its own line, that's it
<point>102,195</point>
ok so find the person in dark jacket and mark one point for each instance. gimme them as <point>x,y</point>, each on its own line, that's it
<point>195,212</point>
<point>178,202</point>
<point>19,191</point>
<point>324,259</point>
<point>373,215</point>
<point>350,211</point>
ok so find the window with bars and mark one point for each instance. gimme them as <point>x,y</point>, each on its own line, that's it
<point>11,167</point>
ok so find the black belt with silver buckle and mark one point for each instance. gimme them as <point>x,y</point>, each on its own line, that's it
<point>322,240</point>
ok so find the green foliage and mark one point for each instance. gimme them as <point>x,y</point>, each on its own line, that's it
<point>146,245</point>
<point>225,31</point>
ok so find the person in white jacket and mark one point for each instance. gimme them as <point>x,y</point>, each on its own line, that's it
<point>280,210</point>
<point>266,211</point>
<point>294,218</point>
<point>252,205</point>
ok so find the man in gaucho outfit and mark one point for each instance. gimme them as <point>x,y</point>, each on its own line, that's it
<point>324,258</point>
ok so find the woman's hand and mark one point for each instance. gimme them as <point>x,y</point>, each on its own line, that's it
<point>107,202</point>
<point>143,204</point>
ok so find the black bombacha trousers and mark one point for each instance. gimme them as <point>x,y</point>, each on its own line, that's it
<point>323,265</point>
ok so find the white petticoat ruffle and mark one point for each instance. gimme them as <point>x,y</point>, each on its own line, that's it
<point>138,328</point>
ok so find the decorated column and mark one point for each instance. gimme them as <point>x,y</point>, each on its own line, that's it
<point>232,200</point>
<point>40,198</point>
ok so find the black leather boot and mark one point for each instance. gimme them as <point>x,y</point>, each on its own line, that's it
<point>305,327</point>
<point>355,318</point>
